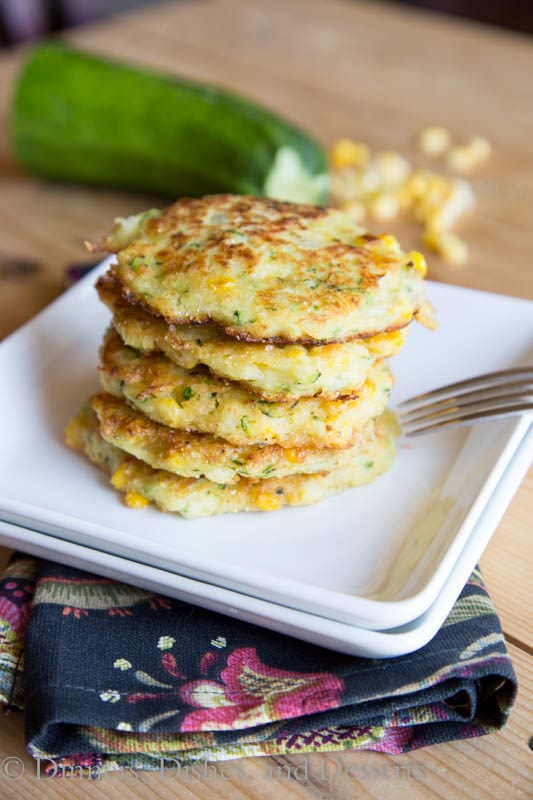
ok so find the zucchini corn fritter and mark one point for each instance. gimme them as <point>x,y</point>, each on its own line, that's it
<point>199,497</point>
<point>245,365</point>
<point>197,400</point>
<point>275,372</point>
<point>267,271</point>
<point>199,454</point>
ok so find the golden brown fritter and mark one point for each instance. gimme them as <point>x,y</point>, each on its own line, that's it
<point>265,270</point>
<point>273,372</point>
<point>198,401</point>
<point>197,497</point>
<point>196,455</point>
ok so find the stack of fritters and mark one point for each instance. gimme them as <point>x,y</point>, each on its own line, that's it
<point>245,366</point>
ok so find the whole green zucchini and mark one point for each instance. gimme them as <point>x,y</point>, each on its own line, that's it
<point>82,118</point>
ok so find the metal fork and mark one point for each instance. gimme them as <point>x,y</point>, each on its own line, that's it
<point>496,394</point>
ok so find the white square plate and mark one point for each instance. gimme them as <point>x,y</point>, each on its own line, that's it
<point>375,556</point>
<point>328,633</point>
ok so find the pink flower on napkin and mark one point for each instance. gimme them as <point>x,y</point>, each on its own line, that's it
<point>252,693</point>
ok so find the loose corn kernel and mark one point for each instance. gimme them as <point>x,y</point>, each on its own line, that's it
<point>430,237</point>
<point>120,476</point>
<point>449,246</point>
<point>405,196</point>
<point>460,198</point>
<point>370,180</point>
<point>135,500</point>
<point>385,185</point>
<point>418,182</point>
<point>393,168</point>
<point>267,501</point>
<point>461,159</point>
<point>418,261</point>
<point>431,199</point>
<point>434,141</point>
<point>348,153</point>
<point>384,207</point>
<point>481,147</point>
<point>453,249</point>
<point>470,155</point>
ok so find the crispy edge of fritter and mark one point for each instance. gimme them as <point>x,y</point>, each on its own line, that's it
<point>265,219</point>
<point>129,298</point>
<point>108,288</point>
<point>119,421</point>
<point>132,476</point>
<point>111,373</point>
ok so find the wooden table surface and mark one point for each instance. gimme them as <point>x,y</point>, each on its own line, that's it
<point>378,73</point>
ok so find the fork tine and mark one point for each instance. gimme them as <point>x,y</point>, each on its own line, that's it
<point>509,391</point>
<point>426,425</point>
<point>478,382</point>
<point>468,408</point>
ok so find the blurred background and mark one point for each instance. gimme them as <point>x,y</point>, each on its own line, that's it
<point>29,19</point>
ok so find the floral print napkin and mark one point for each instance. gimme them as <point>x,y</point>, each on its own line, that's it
<point>113,677</point>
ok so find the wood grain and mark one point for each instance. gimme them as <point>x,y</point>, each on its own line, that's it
<point>507,567</point>
<point>378,73</point>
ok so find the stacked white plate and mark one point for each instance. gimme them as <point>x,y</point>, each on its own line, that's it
<point>373,571</point>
